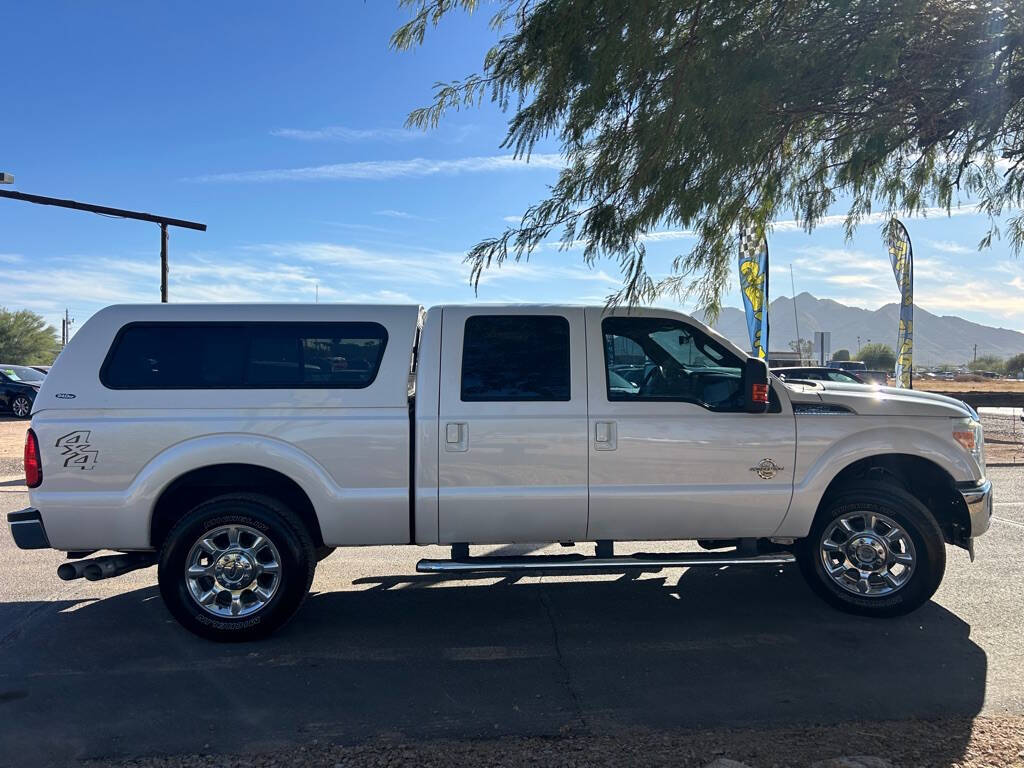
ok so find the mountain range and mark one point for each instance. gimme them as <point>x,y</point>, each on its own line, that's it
<point>938,339</point>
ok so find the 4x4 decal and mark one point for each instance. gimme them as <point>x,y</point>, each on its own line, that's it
<point>77,450</point>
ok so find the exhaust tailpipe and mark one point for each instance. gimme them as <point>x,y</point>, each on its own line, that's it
<point>71,571</point>
<point>117,565</point>
<point>106,567</point>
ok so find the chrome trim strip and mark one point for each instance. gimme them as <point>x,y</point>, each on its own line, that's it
<point>582,563</point>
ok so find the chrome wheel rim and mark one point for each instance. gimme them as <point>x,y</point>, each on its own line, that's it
<point>233,571</point>
<point>21,407</point>
<point>868,554</point>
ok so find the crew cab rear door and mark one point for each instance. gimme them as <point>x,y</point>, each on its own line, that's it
<point>673,454</point>
<point>513,425</point>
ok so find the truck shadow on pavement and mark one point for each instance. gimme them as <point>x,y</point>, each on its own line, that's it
<point>425,657</point>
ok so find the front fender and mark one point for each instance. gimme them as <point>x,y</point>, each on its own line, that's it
<point>821,457</point>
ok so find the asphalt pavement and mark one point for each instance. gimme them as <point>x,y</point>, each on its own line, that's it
<point>100,670</point>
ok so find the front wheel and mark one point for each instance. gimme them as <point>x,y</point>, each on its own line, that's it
<point>236,567</point>
<point>874,551</point>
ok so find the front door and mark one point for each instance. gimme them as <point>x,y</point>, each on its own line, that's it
<point>512,425</point>
<point>673,454</point>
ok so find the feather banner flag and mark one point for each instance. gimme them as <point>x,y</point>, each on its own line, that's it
<point>754,287</point>
<point>901,254</point>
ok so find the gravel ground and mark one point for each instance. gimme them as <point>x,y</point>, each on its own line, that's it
<point>1004,435</point>
<point>12,443</point>
<point>956,742</point>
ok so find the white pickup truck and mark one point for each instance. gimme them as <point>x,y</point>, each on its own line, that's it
<point>235,445</point>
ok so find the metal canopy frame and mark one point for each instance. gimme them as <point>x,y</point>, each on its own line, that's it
<point>123,213</point>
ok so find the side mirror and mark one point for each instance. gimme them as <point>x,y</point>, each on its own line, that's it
<point>755,385</point>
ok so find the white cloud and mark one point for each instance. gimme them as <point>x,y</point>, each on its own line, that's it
<point>378,170</point>
<point>393,214</point>
<point>838,220</point>
<point>341,133</point>
<point>947,246</point>
<point>791,225</point>
<point>10,258</point>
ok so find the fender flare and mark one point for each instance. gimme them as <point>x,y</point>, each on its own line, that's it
<point>231,448</point>
<point>809,490</point>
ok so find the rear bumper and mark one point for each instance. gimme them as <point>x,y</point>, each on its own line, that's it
<point>27,529</point>
<point>978,499</point>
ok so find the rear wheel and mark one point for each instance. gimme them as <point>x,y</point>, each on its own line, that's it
<point>236,567</point>
<point>874,551</point>
<point>21,406</point>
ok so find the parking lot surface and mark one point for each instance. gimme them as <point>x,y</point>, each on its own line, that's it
<point>100,670</point>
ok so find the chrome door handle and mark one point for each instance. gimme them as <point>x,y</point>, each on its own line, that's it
<point>456,436</point>
<point>605,436</point>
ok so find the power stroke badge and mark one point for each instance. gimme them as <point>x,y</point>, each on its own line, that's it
<point>766,469</point>
<point>77,450</point>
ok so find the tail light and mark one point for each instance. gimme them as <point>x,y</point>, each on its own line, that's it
<point>33,463</point>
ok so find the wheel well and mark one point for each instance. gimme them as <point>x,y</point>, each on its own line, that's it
<point>926,481</point>
<point>196,486</point>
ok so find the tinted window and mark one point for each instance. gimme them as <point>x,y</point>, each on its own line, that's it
<point>21,373</point>
<point>244,356</point>
<point>515,357</point>
<point>843,377</point>
<point>653,358</point>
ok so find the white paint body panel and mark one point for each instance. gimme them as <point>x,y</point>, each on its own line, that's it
<point>348,449</point>
<point>532,472</point>
<point>679,470</point>
<point>523,476</point>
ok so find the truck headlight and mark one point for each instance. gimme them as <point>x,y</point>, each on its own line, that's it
<point>969,434</point>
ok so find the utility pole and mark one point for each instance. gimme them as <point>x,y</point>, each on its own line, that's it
<point>65,328</point>
<point>975,353</point>
<point>164,237</point>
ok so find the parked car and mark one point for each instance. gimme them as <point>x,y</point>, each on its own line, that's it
<point>874,377</point>
<point>847,365</point>
<point>250,454</point>
<point>817,374</point>
<point>19,385</point>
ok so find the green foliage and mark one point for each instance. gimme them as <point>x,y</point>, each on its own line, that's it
<point>841,355</point>
<point>1015,365</point>
<point>878,357</point>
<point>992,363</point>
<point>804,347</point>
<point>700,114</point>
<point>26,339</point>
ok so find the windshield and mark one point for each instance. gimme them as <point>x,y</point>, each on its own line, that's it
<point>22,373</point>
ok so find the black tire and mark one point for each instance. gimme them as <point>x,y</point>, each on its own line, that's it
<point>21,407</point>
<point>918,523</point>
<point>259,513</point>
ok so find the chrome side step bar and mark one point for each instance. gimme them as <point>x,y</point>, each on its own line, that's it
<point>580,563</point>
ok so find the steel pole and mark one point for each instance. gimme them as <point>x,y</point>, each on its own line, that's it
<point>163,263</point>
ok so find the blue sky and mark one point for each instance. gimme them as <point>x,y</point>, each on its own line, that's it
<point>280,126</point>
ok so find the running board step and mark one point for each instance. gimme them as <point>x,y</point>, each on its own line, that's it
<point>596,564</point>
